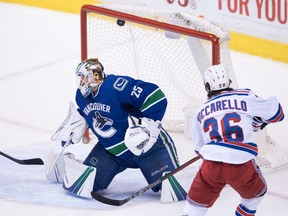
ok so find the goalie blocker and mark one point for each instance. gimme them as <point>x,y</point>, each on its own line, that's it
<point>69,132</point>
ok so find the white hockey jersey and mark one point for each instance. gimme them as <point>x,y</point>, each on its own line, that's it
<point>222,127</point>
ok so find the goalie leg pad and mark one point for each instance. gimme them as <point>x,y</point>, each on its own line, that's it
<point>78,178</point>
<point>172,191</point>
<point>54,169</point>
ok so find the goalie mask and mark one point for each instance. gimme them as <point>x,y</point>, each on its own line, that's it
<point>89,75</point>
<point>216,78</point>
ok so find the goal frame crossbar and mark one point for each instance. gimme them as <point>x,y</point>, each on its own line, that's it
<point>85,9</point>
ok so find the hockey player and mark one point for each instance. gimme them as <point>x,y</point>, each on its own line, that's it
<point>223,135</point>
<point>105,105</point>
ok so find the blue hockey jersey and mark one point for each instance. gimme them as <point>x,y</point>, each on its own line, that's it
<point>107,112</point>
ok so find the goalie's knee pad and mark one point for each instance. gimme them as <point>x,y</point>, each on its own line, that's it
<point>78,178</point>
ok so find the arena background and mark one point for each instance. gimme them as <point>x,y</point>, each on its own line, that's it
<point>267,48</point>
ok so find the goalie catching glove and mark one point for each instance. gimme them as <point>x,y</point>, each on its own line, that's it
<point>140,138</point>
<point>74,125</point>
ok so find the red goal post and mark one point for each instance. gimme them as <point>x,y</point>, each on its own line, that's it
<point>171,49</point>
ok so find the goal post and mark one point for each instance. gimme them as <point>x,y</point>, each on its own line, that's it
<point>171,49</point>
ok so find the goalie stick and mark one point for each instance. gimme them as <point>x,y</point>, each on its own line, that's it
<point>32,161</point>
<point>55,164</point>
<point>116,202</point>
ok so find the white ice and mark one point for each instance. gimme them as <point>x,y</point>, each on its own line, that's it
<point>39,50</point>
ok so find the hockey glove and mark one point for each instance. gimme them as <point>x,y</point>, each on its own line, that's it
<point>258,123</point>
<point>152,126</point>
<point>136,139</point>
<point>74,125</point>
<point>139,139</point>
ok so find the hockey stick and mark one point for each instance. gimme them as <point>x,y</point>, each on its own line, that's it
<point>55,165</point>
<point>33,161</point>
<point>132,120</point>
<point>115,202</point>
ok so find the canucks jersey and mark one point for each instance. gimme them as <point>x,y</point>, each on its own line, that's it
<point>222,127</point>
<point>106,113</point>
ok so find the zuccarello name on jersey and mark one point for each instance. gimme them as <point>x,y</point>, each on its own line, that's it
<point>220,105</point>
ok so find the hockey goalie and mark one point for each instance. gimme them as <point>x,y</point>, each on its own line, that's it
<point>106,104</point>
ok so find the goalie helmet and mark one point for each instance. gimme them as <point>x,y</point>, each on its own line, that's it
<point>216,78</point>
<point>89,75</point>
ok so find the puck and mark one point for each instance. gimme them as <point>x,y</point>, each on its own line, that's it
<point>120,22</point>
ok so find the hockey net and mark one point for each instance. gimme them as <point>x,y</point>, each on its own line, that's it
<point>171,49</point>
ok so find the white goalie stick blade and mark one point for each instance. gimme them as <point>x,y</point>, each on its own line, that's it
<point>78,178</point>
<point>118,202</point>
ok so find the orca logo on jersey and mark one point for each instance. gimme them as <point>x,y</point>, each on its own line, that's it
<point>103,126</point>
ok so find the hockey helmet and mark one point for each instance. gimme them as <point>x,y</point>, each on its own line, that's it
<point>89,74</point>
<point>216,78</point>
